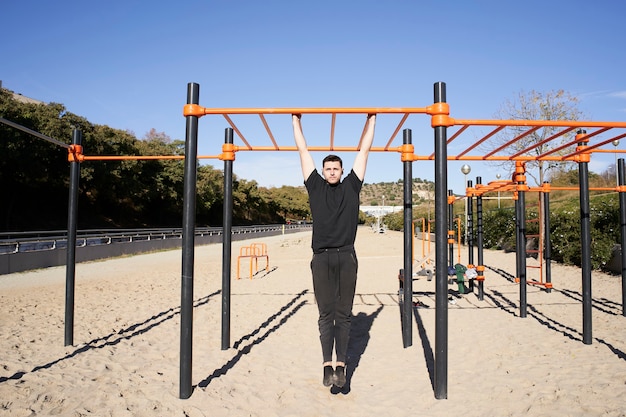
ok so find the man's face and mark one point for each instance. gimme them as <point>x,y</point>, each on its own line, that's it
<point>332,172</point>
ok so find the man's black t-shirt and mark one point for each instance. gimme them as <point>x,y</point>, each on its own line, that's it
<point>335,210</point>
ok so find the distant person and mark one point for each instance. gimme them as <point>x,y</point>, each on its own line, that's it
<point>335,211</point>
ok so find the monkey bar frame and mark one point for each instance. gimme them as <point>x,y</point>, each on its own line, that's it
<point>441,121</point>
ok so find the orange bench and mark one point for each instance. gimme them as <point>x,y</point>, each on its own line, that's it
<point>253,252</point>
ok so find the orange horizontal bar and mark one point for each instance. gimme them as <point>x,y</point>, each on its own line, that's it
<point>555,123</point>
<point>609,150</point>
<point>597,145</point>
<point>495,158</point>
<point>316,110</point>
<point>142,157</point>
<point>318,148</point>
<point>578,188</point>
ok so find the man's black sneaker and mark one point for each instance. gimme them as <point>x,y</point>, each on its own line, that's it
<point>328,376</point>
<point>340,376</point>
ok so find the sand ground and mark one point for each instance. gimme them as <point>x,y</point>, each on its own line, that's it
<point>125,357</point>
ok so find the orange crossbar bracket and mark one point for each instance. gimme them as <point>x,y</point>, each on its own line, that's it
<point>407,151</point>
<point>480,270</point>
<point>228,152</point>
<point>440,113</point>
<point>75,153</point>
<point>581,154</point>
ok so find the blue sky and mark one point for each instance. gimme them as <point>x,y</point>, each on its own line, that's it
<point>127,63</point>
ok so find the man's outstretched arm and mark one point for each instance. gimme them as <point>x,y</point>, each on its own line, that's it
<point>360,162</point>
<point>306,160</point>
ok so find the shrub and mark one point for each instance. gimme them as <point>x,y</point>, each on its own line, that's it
<point>499,229</point>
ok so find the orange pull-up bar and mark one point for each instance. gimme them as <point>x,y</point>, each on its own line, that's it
<point>199,111</point>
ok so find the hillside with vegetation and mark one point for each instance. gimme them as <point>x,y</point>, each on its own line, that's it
<point>34,178</point>
<point>392,193</point>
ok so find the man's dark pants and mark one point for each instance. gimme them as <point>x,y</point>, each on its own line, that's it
<point>334,282</point>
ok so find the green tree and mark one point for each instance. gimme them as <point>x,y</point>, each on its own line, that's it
<point>34,172</point>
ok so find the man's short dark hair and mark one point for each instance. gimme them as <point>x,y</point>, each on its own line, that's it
<point>333,158</point>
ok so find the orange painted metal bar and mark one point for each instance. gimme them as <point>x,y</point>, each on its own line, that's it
<point>597,145</point>
<point>552,187</point>
<point>515,139</point>
<point>557,149</point>
<point>540,123</point>
<point>332,130</point>
<point>362,134</point>
<point>484,189</point>
<point>318,149</point>
<point>141,157</point>
<point>611,150</point>
<point>549,139</point>
<point>196,110</point>
<point>394,149</point>
<point>493,132</point>
<point>492,158</point>
<point>596,132</point>
<point>232,124</point>
<point>269,131</point>
<point>500,185</point>
<point>457,133</point>
<point>395,132</point>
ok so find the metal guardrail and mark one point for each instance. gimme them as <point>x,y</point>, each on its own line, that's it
<point>14,242</point>
<point>20,251</point>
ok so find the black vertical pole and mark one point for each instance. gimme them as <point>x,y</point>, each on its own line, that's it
<point>622,221</point>
<point>470,226</point>
<point>407,328</point>
<point>520,180</point>
<point>585,237</point>
<point>547,248</point>
<point>480,266</point>
<point>450,230</point>
<point>189,226</point>
<point>72,220</point>
<point>227,242</point>
<point>441,262</point>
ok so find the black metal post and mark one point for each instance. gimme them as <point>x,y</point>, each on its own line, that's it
<point>450,228</point>
<point>72,220</point>
<point>470,226</point>
<point>441,262</point>
<point>520,247</point>
<point>407,316</point>
<point>480,266</point>
<point>547,248</point>
<point>188,243</point>
<point>585,237</point>
<point>622,221</point>
<point>227,242</point>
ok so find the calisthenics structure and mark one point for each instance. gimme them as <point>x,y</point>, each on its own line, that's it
<point>518,186</point>
<point>441,121</point>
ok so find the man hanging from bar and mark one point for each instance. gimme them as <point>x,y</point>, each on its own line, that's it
<point>335,209</point>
